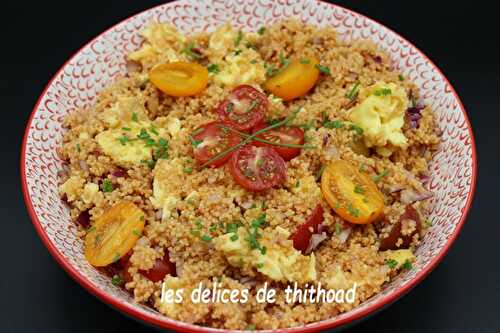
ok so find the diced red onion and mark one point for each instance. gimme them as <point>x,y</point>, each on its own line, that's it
<point>133,66</point>
<point>119,173</point>
<point>315,240</point>
<point>344,234</point>
<point>408,196</point>
<point>83,219</point>
<point>395,188</point>
<point>414,114</point>
<point>83,165</point>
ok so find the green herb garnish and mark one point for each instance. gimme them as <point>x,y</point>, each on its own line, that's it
<point>407,265</point>
<point>381,175</point>
<point>391,263</point>
<point>401,77</point>
<point>206,238</point>
<point>352,210</point>
<point>323,69</point>
<point>359,189</point>
<point>188,50</point>
<point>238,39</point>
<point>117,280</point>
<point>304,61</point>
<point>382,92</point>
<point>135,117</point>
<point>261,30</point>
<point>353,93</point>
<point>107,186</point>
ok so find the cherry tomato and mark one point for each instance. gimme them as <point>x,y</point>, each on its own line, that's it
<point>289,135</point>
<point>211,139</point>
<point>391,241</point>
<point>303,234</point>
<point>113,234</point>
<point>244,108</point>
<point>179,78</point>
<point>257,168</point>
<point>161,267</point>
<point>295,80</point>
<point>352,195</point>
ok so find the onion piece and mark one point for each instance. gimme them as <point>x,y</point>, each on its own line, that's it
<point>315,240</point>
<point>408,196</point>
<point>344,234</point>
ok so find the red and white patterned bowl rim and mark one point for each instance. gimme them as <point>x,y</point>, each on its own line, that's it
<point>79,80</point>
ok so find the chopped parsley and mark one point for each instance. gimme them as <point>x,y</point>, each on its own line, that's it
<point>253,61</point>
<point>407,265</point>
<point>382,92</point>
<point>136,232</point>
<point>356,128</point>
<point>234,237</point>
<point>238,39</point>
<point>117,280</point>
<point>319,173</point>
<point>116,257</point>
<point>126,129</point>
<point>271,70</point>
<point>135,117</point>
<point>323,69</point>
<point>261,30</point>
<point>381,175</point>
<point>237,52</point>
<point>107,186</point>
<point>188,170</point>
<point>352,210</point>
<point>304,61</point>
<point>213,227</point>
<point>195,143</point>
<point>391,263</point>
<point>284,61</point>
<point>333,124</point>
<point>353,93</point>
<point>124,139</point>
<point>260,265</point>
<point>213,68</point>
<point>297,183</point>
<point>338,228</point>
<point>232,227</point>
<point>254,235</point>
<point>78,149</point>
<point>401,77</point>
<point>190,52</point>
<point>252,327</point>
<point>428,223</point>
<point>359,189</point>
<point>308,125</point>
<point>251,46</point>
<point>206,238</point>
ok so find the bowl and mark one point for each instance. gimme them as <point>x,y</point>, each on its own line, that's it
<point>75,85</point>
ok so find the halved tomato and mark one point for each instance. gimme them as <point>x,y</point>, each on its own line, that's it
<point>114,234</point>
<point>295,80</point>
<point>351,194</point>
<point>244,108</point>
<point>257,168</point>
<point>211,139</point>
<point>302,235</point>
<point>161,267</point>
<point>286,135</point>
<point>179,78</point>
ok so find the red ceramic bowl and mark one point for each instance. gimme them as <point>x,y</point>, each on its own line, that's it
<point>453,170</point>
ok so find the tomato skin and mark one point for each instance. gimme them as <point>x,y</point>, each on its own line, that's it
<point>179,78</point>
<point>389,243</point>
<point>257,168</point>
<point>213,140</point>
<point>244,108</point>
<point>161,267</point>
<point>352,194</point>
<point>295,80</point>
<point>293,135</point>
<point>302,235</point>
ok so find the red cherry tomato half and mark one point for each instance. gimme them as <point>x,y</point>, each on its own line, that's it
<point>302,235</point>
<point>211,139</point>
<point>288,135</point>
<point>161,267</point>
<point>244,108</point>
<point>257,168</point>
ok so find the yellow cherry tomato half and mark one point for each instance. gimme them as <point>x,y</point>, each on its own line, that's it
<point>179,78</point>
<point>295,80</point>
<point>113,234</point>
<point>353,195</point>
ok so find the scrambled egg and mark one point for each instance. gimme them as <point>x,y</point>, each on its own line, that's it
<point>126,119</point>
<point>168,178</point>
<point>238,63</point>
<point>400,256</point>
<point>162,43</point>
<point>381,116</point>
<point>281,262</point>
